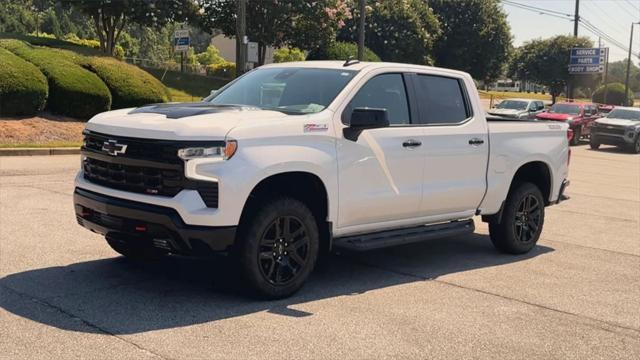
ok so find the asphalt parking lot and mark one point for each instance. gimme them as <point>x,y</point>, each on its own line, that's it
<point>65,294</point>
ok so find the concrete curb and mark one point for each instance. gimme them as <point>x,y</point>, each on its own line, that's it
<point>39,151</point>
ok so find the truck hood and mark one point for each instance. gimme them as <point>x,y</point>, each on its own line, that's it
<point>506,112</point>
<point>618,122</point>
<point>554,116</point>
<point>195,121</point>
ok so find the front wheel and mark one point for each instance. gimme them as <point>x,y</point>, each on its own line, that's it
<point>279,247</point>
<point>577,133</point>
<point>522,219</point>
<point>593,144</point>
<point>635,148</point>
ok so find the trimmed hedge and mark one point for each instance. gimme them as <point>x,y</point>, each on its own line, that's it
<point>73,90</point>
<point>340,50</point>
<point>23,88</point>
<point>225,70</point>
<point>615,95</point>
<point>130,86</point>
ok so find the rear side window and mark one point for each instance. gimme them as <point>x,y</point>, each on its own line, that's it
<point>384,91</point>
<point>441,100</point>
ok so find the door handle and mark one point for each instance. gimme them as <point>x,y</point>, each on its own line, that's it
<point>476,142</point>
<point>411,143</point>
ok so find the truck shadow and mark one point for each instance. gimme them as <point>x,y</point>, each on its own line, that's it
<point>116,296</point>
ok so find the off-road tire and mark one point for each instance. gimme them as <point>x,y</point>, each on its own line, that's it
<point>261,257</point>
<point>507,235</point>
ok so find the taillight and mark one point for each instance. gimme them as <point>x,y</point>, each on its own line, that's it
<point>569,134</point>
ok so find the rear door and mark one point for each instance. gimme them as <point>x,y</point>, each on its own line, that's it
<point>456,146</point>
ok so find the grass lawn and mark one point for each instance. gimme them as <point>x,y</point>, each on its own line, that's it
<point>185,86</point>
<point>513,94</point>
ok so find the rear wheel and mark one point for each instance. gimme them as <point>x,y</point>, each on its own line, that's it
<point>577,133</point>
<point>279,248</point>
<point>522,219</point>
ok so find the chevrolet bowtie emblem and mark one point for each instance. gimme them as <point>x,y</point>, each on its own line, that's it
<point>113,148</point>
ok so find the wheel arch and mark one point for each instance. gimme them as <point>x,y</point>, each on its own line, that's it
<point>301,185</point>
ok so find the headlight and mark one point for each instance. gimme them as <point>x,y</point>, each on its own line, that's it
<point>220,152</point>
<point>570,119</point>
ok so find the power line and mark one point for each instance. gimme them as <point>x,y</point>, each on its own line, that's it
<point>539,10</point>
<point>615,24</point>
<point>632,5</point>
<point>596,31</point>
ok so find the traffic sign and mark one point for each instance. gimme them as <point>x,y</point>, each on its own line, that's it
<point>588,60</point>
<point>181,40</point>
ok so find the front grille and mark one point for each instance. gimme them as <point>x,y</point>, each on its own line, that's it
<point>149,167</point>
<point>610,129</point>
<point>139,179</point>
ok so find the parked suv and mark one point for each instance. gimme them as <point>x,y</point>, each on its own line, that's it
<point>621,127</point>
<point>518,108</point>
<point>291,160</point>
<point>579,116</point>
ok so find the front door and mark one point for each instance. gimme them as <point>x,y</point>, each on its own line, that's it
<point>380,174</point>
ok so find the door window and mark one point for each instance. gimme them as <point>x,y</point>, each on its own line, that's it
<point>441,100</point>
<point>386,91</point>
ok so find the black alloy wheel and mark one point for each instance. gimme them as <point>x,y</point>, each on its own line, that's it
<point>283,250</point>
<point>528,218</point>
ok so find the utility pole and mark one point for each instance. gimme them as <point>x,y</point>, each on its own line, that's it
<point>626,81</point>
<point>241,32</point>
<point>362,9</point>
<point>576,21</point>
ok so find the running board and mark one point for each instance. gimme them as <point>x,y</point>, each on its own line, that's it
<point>403,236</point>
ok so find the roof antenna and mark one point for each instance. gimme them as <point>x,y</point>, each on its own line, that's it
<point>350,61</point>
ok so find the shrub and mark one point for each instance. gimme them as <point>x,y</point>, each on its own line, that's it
<point>130,86</point>
<point>73,90</point>
<point>615,95</point>
<point>23,88</point>
<point>210,56</point>
<point>341,51</point>
<point>288,54</point>
<point>225,69</point>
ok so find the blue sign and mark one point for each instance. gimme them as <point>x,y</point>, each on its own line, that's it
<point>587,60</point>
<point>182,41</point>
<point>578,52</point>
<point>591,60</point>
<point>586,69</point>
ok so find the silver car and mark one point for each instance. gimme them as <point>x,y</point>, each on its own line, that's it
<point>518,108</point>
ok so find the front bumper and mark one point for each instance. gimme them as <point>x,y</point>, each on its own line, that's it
<point>622,139</point>
<point>151,225</point>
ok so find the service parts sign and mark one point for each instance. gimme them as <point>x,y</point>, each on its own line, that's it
<point>588,60</point>
<point>181,40</point>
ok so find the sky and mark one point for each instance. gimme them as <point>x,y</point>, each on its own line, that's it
<point>613,17</point>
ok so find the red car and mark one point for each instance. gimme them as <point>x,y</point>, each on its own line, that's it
<point>578,115</point>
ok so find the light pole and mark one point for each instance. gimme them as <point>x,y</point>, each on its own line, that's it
<point>362,9</point>
<point>626,80</point>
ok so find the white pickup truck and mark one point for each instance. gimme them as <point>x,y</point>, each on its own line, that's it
<point>291,160</point>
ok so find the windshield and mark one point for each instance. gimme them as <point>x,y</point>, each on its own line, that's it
<point>513,105</point>
<point>565,109</point>
<point>626,114</point>
<point>290,90</point>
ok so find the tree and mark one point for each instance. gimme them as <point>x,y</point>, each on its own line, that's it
<point>396,30</point>
<point>615,95</point>
<point>282,23</point>
<point>210,56</point>
<point>475,37</point>
<point>341,50</point>
<point>286,54</point>
<point>618,71</point>
<point>111,16</point>
<point>545,61</point>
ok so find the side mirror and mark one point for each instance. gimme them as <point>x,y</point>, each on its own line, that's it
<point>363,119</point>
<point>213,92</point>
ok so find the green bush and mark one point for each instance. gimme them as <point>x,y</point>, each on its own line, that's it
<point>341,51</point>
<point>615,95</point>
<point>225,69</point>
<point>73,90</point>
<point>130,86</point>
<point>23,88</point>
<point>192,84</point>
<point>288,54</point>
